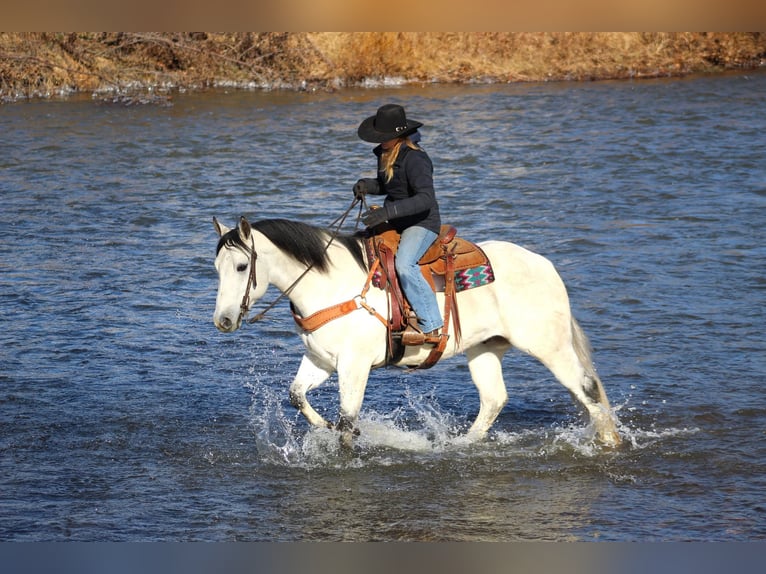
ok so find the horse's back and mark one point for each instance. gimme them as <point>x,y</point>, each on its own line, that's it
<point>525,282</point>
<point>518,264</point>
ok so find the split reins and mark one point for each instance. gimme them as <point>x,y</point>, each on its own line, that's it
<point>252,282</point>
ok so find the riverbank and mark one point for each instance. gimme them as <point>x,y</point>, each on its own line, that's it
<point>151,65</point>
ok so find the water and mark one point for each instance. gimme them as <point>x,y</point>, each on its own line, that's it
<point>125,416</point>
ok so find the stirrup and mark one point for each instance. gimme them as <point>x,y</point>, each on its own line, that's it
<point>413,336</point>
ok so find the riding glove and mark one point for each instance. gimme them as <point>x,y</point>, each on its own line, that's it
<point>365,186</point>
<point>373,217</point>
<point>360,189</point>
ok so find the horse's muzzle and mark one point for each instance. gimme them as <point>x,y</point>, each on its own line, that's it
<point>225,324</point>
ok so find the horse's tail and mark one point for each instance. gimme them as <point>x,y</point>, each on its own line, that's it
<point>584,352</point>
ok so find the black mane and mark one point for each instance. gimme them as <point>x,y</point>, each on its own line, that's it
<point>304,243</point>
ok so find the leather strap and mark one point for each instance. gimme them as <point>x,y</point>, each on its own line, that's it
<point>389,269</point>
<point>323,316</point>
<point>450,305</point>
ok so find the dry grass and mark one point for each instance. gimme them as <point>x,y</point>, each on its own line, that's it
<point>44,64</point>
<point>459,57</point>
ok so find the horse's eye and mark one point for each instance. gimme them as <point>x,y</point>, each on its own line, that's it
<point>242,267</point>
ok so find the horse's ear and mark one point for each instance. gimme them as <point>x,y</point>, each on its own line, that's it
<point>244,228</point>
<point>220,229</point>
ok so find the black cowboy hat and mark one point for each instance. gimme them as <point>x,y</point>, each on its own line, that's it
<point>388,123</point>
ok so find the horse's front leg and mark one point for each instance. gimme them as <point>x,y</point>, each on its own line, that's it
<point>309,376</point>
<point>353,372</point>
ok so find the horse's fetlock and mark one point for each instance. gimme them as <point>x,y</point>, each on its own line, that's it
<point>296,400</point>
<point>346,425</point>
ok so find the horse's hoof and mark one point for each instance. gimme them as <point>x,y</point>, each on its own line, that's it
<point>610,439</point>
<point>468,439</point>
<point>346,441</point>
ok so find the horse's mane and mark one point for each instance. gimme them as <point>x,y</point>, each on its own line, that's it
<point>304,243</point>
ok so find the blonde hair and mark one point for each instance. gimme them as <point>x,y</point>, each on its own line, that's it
<point>388,157</point>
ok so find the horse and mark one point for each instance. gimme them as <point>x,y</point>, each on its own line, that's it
<point>526,307</point>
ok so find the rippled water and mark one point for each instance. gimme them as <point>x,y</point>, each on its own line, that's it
<point>124,415</point>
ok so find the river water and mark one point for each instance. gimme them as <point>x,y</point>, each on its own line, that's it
<point>125,415</point>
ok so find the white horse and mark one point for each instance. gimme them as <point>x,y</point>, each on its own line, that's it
<point>526,307</point>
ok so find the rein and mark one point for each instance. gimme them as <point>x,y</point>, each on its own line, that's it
<point>252,282</point>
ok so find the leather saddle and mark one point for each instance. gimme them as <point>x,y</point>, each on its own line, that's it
<point>451,264</point>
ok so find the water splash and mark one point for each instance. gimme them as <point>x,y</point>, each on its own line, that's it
<point>282,437</point>
<point>420,429</point>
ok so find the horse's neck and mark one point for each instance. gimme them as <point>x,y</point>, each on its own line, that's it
<point>313,290</point>
<point>284,271</point>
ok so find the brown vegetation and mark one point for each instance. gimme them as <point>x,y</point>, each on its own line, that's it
<point>46,64</point>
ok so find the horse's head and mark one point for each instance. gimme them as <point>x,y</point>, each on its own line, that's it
<point>238,281</point>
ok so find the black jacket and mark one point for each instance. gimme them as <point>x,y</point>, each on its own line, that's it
<point>410,197</point>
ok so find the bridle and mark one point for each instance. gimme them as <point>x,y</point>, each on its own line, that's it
<point>252,282</point>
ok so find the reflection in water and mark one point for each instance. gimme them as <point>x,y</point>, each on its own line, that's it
<point>458,496</point>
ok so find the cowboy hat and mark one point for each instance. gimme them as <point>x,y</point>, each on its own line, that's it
<point>388,123</point>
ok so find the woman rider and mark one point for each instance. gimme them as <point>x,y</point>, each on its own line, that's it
<point>405,177</point>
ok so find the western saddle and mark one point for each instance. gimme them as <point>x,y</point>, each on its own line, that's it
<point>451,264</point>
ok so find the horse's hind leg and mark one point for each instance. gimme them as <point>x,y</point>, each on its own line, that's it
<point>309,377</point>
<point>588,392</point>
<point>573,367</point>
<point>485,365</point>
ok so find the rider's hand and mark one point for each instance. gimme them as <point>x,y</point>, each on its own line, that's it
<point>367,185</point>
<point>360,189</point>
<point>373,217</point>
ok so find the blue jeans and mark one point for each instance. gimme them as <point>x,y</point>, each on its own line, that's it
<point>414,243</point>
